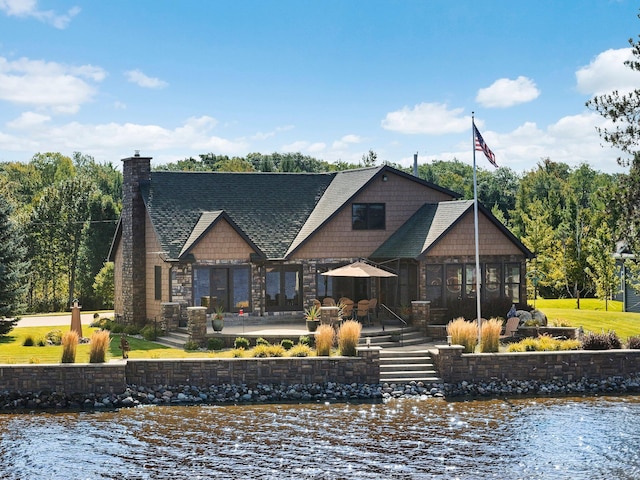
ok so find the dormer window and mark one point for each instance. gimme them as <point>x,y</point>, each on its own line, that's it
<point>368,216</point>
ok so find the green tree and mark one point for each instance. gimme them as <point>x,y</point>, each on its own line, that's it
<point>13,267</point>
<point>103,286</point>
<point>601,263</point>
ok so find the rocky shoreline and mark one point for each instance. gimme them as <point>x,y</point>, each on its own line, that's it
<point>330,392</point>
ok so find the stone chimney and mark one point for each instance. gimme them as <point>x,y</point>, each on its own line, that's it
<point>136,171</point>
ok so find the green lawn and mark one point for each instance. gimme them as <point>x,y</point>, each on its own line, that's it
<point>591,316</point>
<point>12,351</point>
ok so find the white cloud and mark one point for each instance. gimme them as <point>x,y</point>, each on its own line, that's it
<point>51,85</point>
<point>28,120</point>
<point>142,80</point>
<point>346,141</point>
<point>114,140</point>
<point>266,135</point>
<point>607,72</point>
<point>427,118</point>
<point>316,147</point>
<point>298,146</point>
<point>29,8</point>
<point>505,92</point>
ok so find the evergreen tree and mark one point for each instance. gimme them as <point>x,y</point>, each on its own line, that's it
<point>12,268</point>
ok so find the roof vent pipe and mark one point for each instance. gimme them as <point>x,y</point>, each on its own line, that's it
<point>415,164</point>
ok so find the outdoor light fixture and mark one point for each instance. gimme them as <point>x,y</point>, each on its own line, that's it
<point>449,340</point>
<point>385,178</point>
<point>368,341</point>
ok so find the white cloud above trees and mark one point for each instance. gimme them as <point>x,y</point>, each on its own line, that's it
<point>506,92</point>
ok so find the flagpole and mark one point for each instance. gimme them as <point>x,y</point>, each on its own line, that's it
<point>475,220</point>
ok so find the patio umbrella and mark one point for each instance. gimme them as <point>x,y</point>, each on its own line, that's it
<point>360,270</point>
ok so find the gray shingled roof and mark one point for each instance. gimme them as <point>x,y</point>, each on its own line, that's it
<point>423,229</point>
<point>275,212</point>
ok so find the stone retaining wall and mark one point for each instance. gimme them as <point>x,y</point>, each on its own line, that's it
<point>114,377</point>
<point>454,366</point>
<point>64,378</point>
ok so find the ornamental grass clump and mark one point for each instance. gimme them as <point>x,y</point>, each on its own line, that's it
<point>601,341</point>
<point>325,336</point>
<point>544,343</point>
<point>300,350</point>
<point>348,337</point>
<point>99,345</point>
<point>634,343</point>
<point>463,333</point>
<point>69,344</point>
<point>490,337</point>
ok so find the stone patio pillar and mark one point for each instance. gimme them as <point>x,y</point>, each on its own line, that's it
<point>170,319</point>
<point>420,314</point>
<point>197,324</point>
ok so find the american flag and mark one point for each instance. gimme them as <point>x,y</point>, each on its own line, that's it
<point>483,147</point>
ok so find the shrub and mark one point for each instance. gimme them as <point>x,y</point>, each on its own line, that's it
<point>99,345</point>
<point>260,351</point>
<point>305,340</point>
<point>601,341</point>
<point>463,333</point>
<point>300,350</point>
<point>102,323</point>
<point>262,341</point>
<point>544,343</point>
<point>276,351</point>
<point>348,337</point>
<point>54,337</point>
<point>286,343</point>
<point>132,330</point>
<point>69,343</point>
<point>117,327</point>
<point>237,352</point>
<point>28,341</point>
<point>149,333</point>
<point>215,344</point>
<point>325,336</point>
<point>190,346</point>
<point>634,343</point>
<point>41,342</point>
<point>241,342</point>
<point>490,337</point>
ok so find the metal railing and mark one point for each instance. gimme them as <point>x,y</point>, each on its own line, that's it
<point>398,317</point>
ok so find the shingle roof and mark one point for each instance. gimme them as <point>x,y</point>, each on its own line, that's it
<point>275,212</point>
<point>270,209</point>
<point>423,229</point>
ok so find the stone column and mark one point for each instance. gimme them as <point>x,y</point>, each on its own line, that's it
<point>197,324</point>
<point>170,320</point>
<point>420,310</point>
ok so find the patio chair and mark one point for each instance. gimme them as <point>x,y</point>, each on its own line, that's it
<point>511,328</point>
<point>373,307</point>
<point>347,307</point>
<point>363,311</point>
<point>317,303</point>
<point>328,302</point>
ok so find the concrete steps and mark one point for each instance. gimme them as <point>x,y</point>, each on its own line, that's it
<point>394,337</point>
<point>404,366</point>
<point>175,339</point>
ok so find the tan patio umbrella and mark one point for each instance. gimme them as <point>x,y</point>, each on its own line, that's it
<point>359,269</point>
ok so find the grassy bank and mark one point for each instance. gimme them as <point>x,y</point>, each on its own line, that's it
<point>592,316</point>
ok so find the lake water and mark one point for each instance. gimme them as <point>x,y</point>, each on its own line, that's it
<point>541,438</point>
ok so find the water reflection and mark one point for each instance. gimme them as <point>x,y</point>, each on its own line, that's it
<point>422,439</point>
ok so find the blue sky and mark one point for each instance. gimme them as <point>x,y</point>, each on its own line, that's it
<point>330,79</point>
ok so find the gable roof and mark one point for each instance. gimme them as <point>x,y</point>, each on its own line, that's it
<point>429,225</point>
<point>275,213</point>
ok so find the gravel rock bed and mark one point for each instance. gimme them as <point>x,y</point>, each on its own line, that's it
<point>329,392</point>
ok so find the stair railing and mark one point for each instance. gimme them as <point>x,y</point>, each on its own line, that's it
<point>404,323</point>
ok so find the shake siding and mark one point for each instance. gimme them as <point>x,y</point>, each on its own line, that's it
<point>154,258</point>
<point>402,198</point>
<point>460,240</point>
<point>222,242</point>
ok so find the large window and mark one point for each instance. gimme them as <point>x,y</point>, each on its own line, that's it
<point>451,282</point>
<point>284,288</point>
<point>368,216</point>
<point>228,287</point>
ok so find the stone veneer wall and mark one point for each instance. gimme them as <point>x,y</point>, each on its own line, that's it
<point>454,366</point>
<point>136,170</point>
<point>64,378</point>
<point>113,377</point>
